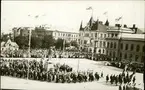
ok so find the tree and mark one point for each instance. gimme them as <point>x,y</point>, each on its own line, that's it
<point>22,41</point>
<point>36,42</point>
<point>48,41</point>
<point>59,44</point>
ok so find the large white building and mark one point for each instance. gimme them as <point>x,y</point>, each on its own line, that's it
<point>125,44</point>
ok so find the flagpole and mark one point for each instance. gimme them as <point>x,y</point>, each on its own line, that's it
<point>29,52</point>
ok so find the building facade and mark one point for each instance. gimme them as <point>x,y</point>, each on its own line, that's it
<point>124,44</point>
<point>93,37</point>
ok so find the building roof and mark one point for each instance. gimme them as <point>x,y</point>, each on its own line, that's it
<point>140,31</point>
<point>121,29</point>
<point>3,43</point>
<point>133,36</point>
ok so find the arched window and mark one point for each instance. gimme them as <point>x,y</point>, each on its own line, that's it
<point>121,46</point>
<point>137,48</point>
<point>132,47</point>
<point>126,47</point>
<point>114,45</point>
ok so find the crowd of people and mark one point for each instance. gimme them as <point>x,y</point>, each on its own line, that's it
<point>36,70</point>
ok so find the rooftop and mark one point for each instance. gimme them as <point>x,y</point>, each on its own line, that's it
<point>133,36</point>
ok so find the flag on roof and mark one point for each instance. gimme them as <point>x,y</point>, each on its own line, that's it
<point>36,16</point>
<point>89,8</point>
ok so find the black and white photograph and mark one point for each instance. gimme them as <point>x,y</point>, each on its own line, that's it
<point>72,45</point>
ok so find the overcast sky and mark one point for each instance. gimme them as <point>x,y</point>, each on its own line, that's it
<point>67,15</point>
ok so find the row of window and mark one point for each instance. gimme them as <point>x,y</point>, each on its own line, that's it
<point>93,35</point>
<point>112,35</point>
<point>66,34</point>
<point>111,45</point>
<point>132,47</point>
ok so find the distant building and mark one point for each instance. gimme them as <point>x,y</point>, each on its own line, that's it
<point>68,36</point>
<point>42,31</point>
<point>9,45</point>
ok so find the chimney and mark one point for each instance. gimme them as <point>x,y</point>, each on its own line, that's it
<point>125,26</point>
<point>116,25</point>
<point>133,25</point>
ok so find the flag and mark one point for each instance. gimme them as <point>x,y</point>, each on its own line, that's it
<point>36,16</point>
<point>105,13</point>
<point>117,19</point>
<point>89,8</point>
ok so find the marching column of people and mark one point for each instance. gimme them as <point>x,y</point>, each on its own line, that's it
<point>37,71</point>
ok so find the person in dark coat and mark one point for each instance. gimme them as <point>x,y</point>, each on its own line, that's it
<point>107,78</point>
<point>134,79</point>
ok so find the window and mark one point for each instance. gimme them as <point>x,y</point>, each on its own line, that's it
<point>132,47</point>
<point>137,48</point>
<point>120,55</point>
<point>103,50</point>
<point>121,45</point>
<point>126,47</point>
<point>116,35</point>
<point>101,35</point>
<point>112,35</point>
<point>125,56</point>
<point>85,42</point>
<point>100,43</point>
<point>114,45</point>
<point>136,58</point>
<point>104,35</point>
<point>104,44</point>
<point>113,54</point>
<point>108,35</point>
<point>95,34</point>
<point>111,45</point>
<point>108,44</point>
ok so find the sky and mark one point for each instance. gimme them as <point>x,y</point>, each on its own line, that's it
<point>67,15</point>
